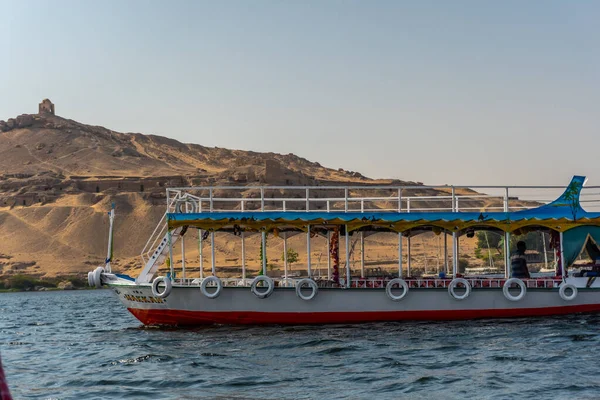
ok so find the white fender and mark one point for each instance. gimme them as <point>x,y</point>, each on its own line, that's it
<point>168,286</point>
<point>401,284</point>
<point>311,284</point>
<point>97,277</point>
<point>217,292</point>
<point>507,286</point>
<point>270,286</point>
<point>563,294</point>
<point>455,283</point>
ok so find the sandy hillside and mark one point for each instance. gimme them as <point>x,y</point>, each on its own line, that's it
<point>58,178</point>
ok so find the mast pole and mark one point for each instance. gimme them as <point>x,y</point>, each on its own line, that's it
<point>109,251</point>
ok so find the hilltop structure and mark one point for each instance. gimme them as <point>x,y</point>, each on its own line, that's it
<point>46,107</point>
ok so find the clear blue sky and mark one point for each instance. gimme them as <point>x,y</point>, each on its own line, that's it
<point>463,92</point>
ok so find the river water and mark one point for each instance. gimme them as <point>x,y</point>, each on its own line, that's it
<point>85,345</point>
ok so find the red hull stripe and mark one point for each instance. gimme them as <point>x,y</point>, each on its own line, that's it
<point>191,318</point>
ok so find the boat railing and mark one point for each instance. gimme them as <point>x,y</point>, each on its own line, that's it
<point>373,198</point>
<point>381,283</point>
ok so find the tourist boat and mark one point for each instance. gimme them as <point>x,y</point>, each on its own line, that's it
<point>186,297</point>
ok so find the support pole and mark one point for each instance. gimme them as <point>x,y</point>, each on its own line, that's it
<point>212,253</point>
<point>183,257</point>
<point>328,256</point>
<point>408,263</point>
<point>347,258</point>
<point>362,254</point>
<point>200,253</point>
<point>400,254</point>
<point>457,253</point>
<point>264,253</point>
<point>454,254</point>
<point>170,239</point>
<point>446,252</point>
<point>507,266</point>
<point>243,259</point>
<point>308,251</point>
<point>285,254</point>
<point>563,266</point>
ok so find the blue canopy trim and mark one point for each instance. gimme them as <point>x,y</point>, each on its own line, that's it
<point>561,215</point>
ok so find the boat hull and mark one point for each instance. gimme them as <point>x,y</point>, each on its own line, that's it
<point>187,306</point>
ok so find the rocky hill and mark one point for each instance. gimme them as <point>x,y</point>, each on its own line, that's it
<point>58,178</point>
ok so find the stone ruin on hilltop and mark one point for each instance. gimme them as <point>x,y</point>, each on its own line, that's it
<point>46,107</point>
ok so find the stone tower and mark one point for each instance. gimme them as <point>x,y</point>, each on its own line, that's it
<point>46,107</point>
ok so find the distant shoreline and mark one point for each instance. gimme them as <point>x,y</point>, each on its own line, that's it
<point>28,283</point>
<point>47,290</point>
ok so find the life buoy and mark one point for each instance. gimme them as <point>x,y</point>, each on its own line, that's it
<point>266,293</point>
<point>401,285</point>
<point>180,206</point>
<point>563,294</point>
<point>507,286</point>
<point>311,284</point>
<point>204,284</point>
<point>168,286</point>
<point>97,277</point>
<point>455,282</point>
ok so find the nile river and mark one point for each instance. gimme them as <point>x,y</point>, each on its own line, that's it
<point>85,345</point>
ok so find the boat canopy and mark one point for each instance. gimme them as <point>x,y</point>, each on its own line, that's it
<point>563,215</point>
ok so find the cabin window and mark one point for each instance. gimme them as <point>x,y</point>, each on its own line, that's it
<point>24,202</point>
<point>141,188</point>
<point>97,189</point>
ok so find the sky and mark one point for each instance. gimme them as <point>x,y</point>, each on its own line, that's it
<point>441,92</point>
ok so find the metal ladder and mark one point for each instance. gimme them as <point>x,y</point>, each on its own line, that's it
<point>159,255</point>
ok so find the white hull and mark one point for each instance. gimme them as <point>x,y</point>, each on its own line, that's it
<point>186,305</point>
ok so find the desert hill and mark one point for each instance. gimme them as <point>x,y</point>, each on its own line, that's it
<point>58,178</point>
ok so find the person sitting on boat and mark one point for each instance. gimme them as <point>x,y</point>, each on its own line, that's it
<point>518,262</point>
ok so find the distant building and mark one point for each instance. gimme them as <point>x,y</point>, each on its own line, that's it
<point>46,107</point>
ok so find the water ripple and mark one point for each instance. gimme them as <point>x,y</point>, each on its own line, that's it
<point>84,345</point>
